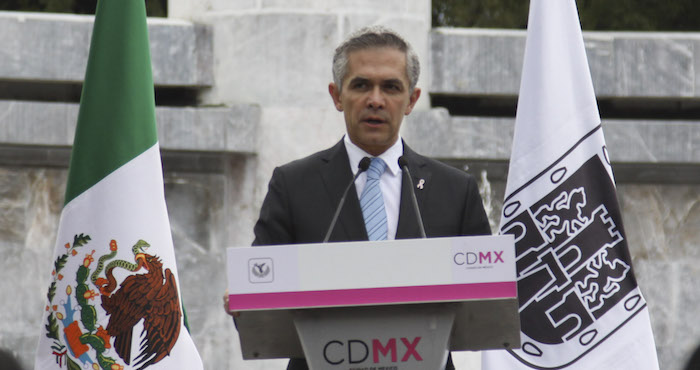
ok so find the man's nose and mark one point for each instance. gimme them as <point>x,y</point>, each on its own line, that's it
<point>375,99</point>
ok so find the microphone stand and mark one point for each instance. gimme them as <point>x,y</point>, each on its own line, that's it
<point>362,167</point>
<point>404,167</point>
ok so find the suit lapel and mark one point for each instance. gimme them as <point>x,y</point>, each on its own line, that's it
<point>336,175</point>
<point>420,173</point>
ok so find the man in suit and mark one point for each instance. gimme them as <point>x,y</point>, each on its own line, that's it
<point>375,73</point>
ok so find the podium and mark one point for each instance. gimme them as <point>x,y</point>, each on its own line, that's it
<point>401,304</point>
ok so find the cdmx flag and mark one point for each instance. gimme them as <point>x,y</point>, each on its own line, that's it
<point>113,298</point>
<point>580,305</point>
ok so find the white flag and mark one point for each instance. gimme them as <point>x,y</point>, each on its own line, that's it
<point>580,306</point>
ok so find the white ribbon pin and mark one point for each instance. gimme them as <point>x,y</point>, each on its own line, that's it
<point>421,182</point>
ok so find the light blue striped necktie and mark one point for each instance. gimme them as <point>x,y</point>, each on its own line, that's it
<point>372,202</point>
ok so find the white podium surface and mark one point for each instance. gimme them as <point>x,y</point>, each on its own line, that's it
<point>468,281</point>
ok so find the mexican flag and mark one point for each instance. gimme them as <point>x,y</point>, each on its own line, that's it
<point>113,298</point>
<point>580,305</point>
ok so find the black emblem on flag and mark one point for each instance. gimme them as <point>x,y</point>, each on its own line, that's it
<point>573,265</point>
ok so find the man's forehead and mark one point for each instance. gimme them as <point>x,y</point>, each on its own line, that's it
<point>384,57</point>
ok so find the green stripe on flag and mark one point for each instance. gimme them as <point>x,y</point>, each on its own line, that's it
<point>116,121</point>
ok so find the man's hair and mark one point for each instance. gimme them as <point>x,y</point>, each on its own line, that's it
<point>374,37</point>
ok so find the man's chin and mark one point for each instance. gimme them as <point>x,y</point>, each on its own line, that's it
<point>375,145</point>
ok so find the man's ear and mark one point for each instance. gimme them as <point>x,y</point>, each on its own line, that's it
<point>335,94</point>
<point>412,100</point>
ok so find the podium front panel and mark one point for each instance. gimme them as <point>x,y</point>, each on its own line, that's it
<point>371,273</point>
<point>270,285</point>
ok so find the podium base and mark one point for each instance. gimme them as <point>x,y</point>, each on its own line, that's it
<point>408,337</point>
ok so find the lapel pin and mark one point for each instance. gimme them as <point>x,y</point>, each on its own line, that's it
<point>421,182</point>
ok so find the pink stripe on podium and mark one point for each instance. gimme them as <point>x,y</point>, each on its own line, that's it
<point>370,296</point>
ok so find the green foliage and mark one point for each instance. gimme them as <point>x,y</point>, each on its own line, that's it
<point>88,315</point>
<point>80,240</point>
<point>52,327</point>
<point>104,361</point>
<point>82,274</point>
<point>154,8</point>
<point>60,263</point>
<point>72,365</point>
<point>52,291</point>
<point>481,13</point>
<point>94,341</point>
<point>80,290</point>
<point>603,15</point>
<point>639,15</point>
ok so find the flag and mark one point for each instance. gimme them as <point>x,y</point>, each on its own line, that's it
<point>580,306</point>
<point>113,297</point>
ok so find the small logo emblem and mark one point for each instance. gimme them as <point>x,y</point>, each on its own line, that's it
<point>421,183</point>
<point>260,270</point>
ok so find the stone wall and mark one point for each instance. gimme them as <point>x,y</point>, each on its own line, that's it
<point>243,88</point>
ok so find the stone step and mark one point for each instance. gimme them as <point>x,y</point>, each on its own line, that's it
<point>46,47</point>
<point>623,64</point>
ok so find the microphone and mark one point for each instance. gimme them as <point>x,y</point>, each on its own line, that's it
<point>362,167</point>
<point>404,167</point>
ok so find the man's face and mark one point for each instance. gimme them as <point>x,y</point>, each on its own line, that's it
<point>374,97</point>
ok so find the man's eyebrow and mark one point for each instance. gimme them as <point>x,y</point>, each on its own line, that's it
<point>393,81</point>
<point>358,79</point>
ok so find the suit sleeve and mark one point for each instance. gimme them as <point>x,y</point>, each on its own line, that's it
<point>474,219</point>
<point>274,226</point>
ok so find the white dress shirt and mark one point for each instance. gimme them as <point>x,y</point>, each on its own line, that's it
<point>389,182</point>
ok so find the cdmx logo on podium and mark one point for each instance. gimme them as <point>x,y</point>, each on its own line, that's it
<point>368,355</point>
<point>479,259</point>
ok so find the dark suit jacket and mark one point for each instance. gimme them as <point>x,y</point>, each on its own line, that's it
<point>303,195</point>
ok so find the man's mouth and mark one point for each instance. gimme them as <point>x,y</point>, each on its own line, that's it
<point>374,120</point>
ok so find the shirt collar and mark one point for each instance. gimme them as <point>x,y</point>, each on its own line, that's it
<point>390,156</point>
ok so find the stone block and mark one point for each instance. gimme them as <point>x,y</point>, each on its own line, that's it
<point>429,132</point>
<point>214,129</point>
<point>659,66</point>
<point>653,141</point>
<point>33,123</point>
<point>194,10</point>
<point>267,59</point>
<point>601,61</point>
<point>489,62</point>
<point>242,128</point>
<point>661,220</point>
<point>418,7</point>
<point>640,142</point>
<point>31,200</point>
<point>696,65</point>
<point>476,61</point>
<point>40,46</point>
<point>14,197</point>
<point>181,53</point>
<point>669,287</point>
<point>208,129</point>
<point>435,134</point>
<point>54,48</point>
<point>291,133</point>
<point>483,138</point>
